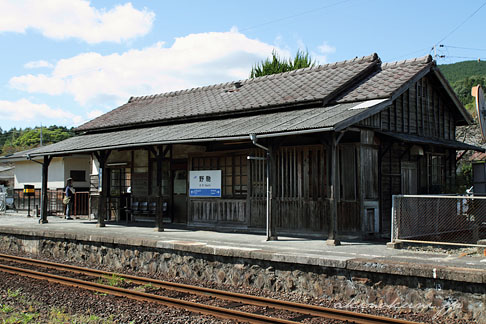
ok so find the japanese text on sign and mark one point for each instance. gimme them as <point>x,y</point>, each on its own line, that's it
<point>205,183</point>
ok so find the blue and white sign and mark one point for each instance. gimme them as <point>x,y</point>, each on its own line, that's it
<point>205,183</point>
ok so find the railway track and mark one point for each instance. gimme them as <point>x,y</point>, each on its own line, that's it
<point>222,312</point>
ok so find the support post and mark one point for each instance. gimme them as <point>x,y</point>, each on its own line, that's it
<point>159,217</point>
<point>102,157</point>
<point>45,170</point>
<point>332,235</point>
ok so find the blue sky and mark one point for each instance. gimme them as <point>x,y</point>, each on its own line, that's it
<point>67,61</point>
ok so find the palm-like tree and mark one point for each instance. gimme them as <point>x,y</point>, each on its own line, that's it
<point>278,65</point>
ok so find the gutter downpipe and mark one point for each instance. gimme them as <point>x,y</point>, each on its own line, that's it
<point>253,138</point>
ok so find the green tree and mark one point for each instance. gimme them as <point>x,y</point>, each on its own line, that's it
<point>463,90</point>
<point>277,65</point>
<point>16,140</point>
<point>461,70</point>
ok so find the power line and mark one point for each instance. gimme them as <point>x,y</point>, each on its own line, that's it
<point>466,48</point>
<point>467,57</point>
<point>296,15</point>
<point>460,25</point>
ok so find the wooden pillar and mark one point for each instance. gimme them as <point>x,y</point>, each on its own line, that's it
<point>45,169</point>
<point>159,217</point>
<point>171,186</point>
<point>272,170</point>
<point>102,157</point>
<point>332,234</point>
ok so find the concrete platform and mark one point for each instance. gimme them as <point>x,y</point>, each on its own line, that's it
<point>359,256</point>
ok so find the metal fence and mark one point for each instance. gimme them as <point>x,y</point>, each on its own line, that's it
<point>22,201</point>
<point>81,203</point>
<point>54,202</point>
<point>454,220</point>
<point>3,202</point>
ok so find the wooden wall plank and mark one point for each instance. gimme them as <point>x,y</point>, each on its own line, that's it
<point>306,173</point>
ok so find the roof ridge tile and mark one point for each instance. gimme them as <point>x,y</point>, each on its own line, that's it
<point>419,60</point>
<point>370,58</point>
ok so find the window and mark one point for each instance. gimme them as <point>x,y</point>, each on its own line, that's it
<point>78,175</point>
<point>120,180</point>
<point>348,172</point>
<point>436,173</point>
<point>233,168</point>
<point>180,182</point>
<point>165,175</point>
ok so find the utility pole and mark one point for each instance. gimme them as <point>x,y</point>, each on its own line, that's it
<point>436,56</point>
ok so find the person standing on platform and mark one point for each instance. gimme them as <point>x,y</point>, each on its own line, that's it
<point>69,198</point>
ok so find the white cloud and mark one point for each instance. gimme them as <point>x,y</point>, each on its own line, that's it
<point>325,48</point>
<point>38,64</point>
<point>26,111</point>
<point>193,60</point>
<point>61,19</point>
<point>323,51</point>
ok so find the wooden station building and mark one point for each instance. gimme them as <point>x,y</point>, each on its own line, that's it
<point>338,139</point>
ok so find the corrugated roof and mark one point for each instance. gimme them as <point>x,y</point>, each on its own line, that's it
<point>435,141</point>
<point>17,156</point>
<point>6,168</point>
<point>319,83</point>
<point>318,118</point>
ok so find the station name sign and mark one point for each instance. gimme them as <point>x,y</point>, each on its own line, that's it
<point>29,190</point>
<point>205,183</point>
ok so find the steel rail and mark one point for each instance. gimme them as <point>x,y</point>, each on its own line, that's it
<point>141,296</point>
<point>325,312</point>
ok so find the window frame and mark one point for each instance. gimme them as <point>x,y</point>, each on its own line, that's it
<point>344,173</point>
<point>74,174</point>
<point>234,168</point>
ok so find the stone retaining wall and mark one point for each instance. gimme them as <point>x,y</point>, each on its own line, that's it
<point>355,288</point>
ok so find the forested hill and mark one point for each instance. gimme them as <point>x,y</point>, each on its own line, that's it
<point>15,140</point>
<point>461,70</point>
<point>463,76</point>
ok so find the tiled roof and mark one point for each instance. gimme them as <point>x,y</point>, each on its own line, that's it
<point>477,156</point>
<point>269,124</point>
<point>323,98</point>
<point>384,82</point>
<point>301,86</point>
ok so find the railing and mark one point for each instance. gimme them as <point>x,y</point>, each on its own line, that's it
<point>81,203</point>
<point>452,220</point>
<point>54,202</point>
<point>22,201</point>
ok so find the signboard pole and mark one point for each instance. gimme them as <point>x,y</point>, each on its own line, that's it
<point>28,207</point>
<point>29,190</point>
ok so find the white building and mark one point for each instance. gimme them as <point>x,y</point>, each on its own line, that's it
<point>29,172</point>
<point>77,167</point>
